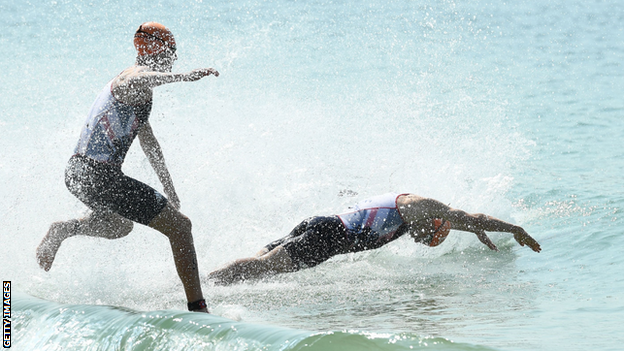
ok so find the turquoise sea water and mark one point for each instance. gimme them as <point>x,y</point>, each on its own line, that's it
<point>511,109</point>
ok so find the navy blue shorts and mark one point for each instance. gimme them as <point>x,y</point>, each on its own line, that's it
<point>315,240</point>
<point>104,187</point>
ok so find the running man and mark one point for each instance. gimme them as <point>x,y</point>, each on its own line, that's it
<point>371,224</point>
<point>94,175</point>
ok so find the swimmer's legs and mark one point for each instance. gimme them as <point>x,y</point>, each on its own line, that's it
<point>177,227</point>
<point>274,262</point>
<point>299,230</point>
<point>262,252</point>
<point>96,224</point>
<point>269,248</point>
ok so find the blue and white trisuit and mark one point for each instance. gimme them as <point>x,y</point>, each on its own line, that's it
<point>370,224</point>
<point>94,174</point>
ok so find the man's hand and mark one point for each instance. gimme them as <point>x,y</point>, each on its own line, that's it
<point>523,238</point>
<point>486,240</point>
<point>198,74</point>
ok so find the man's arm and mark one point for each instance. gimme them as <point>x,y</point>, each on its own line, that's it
<point>134,85</point>
<point>151,79</point>
<point>154,154</point>
<point>480,223</point>
<point>414,208</point>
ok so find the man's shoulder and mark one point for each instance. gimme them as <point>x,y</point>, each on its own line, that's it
<point>128,88</point>
<point>129,73</point>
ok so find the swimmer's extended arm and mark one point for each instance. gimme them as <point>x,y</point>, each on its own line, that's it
<point>151,79</point>
<point>414,209</point>
<point>134,85</point>
<point>480,223</point>
<point>154,154</point>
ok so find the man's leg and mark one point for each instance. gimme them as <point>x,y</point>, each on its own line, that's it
<point>177,227</point>
<point>97,224</point>
<point>297,231</point>
<point>274,262</point>
<point>271,259</point>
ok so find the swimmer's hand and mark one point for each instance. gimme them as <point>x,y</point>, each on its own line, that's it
<point>485,240</point>
<point>523,238</point>
<point>200,73</point>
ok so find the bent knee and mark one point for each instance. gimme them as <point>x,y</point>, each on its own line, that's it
<point>171,222</point>
<point>121,229</point>
<point>181,225</point>
<point>184,223</point>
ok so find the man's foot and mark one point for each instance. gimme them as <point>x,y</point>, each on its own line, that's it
<point>46,251</point>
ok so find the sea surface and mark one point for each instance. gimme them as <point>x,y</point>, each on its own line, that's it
<point>510,108</point>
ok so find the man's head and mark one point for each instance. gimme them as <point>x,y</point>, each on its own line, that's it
<point>155,46</point>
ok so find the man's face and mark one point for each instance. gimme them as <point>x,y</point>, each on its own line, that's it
<point>164,61</point>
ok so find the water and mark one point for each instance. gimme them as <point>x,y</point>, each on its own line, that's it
<point>511,109</point>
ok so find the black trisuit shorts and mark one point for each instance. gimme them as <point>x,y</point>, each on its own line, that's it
<point>314,241</point>
<point>104,187</point>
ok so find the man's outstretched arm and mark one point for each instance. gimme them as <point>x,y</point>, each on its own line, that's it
<point>414,209</point>
<point>146,79</point>
<point>480,223</point>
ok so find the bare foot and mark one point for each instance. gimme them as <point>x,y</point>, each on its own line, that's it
<point>46,251</point>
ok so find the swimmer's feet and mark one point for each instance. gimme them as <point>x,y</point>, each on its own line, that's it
<point>46,251</point>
